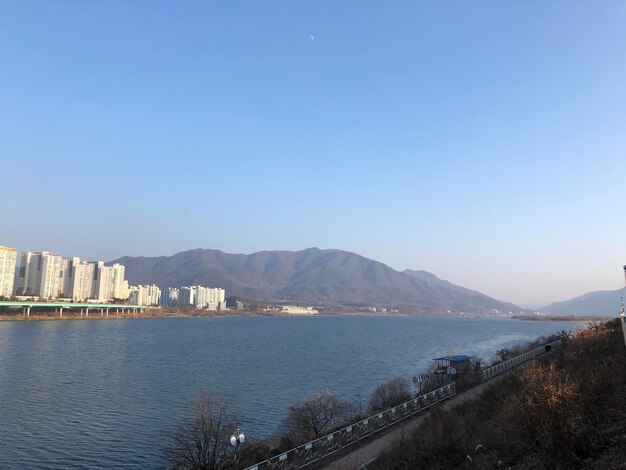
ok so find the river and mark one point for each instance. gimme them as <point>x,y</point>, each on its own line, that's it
<point>106,393</point>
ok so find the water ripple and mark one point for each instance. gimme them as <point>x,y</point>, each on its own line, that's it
<point>105,394</point>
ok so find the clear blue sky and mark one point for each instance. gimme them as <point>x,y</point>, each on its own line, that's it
<point>481,141</point>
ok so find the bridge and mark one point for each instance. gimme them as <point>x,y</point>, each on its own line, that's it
<point>85,308</point>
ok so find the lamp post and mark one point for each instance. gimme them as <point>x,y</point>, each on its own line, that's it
<point>236,440</point>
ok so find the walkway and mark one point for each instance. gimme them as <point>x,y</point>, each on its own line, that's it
<point>369,452</point>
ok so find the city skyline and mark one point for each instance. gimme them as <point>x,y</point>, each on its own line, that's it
<point>49,276</point>
<point>483,143</point>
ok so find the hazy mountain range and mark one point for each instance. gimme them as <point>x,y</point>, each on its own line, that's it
<point>601,303</point>
<point>311,275</point>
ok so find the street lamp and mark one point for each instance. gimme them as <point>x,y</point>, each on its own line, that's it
<point>236,440</point>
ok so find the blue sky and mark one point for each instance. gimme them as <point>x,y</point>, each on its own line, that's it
<point>481,141</point>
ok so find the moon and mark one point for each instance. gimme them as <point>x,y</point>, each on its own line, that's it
<point>312,37</point>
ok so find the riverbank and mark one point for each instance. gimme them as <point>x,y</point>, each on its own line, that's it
<point>192,313</point>
<point>566,410</point>
<point>156,313</point>
<point>587,318</point>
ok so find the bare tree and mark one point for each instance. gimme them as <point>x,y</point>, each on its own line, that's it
<point>390,394</point>
<point>316,415</point>
<point>201,441</point>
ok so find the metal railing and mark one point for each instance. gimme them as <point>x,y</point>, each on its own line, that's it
<point>313,451</point>
<point>492,371</point>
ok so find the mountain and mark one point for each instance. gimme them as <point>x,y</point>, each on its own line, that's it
<point>311,275</point>
<point>467,296</point>
<point>601,303</point>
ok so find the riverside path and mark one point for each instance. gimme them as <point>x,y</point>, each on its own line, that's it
<point>367,453</point>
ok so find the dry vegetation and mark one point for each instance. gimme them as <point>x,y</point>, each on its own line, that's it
<point>566,410</point>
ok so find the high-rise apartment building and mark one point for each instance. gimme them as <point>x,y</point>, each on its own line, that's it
<point>28,276</point>
<point>144,295</point>
<point>8,259</point>
<point>47,276</point>
<point>109,282</point>
<point>82,280</point>
<point>40,275</point>
<point>119,285</point>
<point>170,296</point>
<point>51,284</point>
<point>207,297</point>
<point>198,296</point>
<point>185,296</point>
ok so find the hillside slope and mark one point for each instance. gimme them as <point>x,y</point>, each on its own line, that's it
<point>601,303</point>
<point>311,275</point>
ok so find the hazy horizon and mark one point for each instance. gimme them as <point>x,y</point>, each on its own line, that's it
<point>484,143</point>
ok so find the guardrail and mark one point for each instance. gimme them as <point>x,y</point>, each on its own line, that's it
<point>492,371</point>
<point>313,451</point>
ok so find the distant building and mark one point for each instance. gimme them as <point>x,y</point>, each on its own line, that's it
<point>185,296</point>
<point>109,282</point>
<point>198,296</point>
<point>234,303</point>
<point>8,260</point>
<point>209,298</point>
<point>82,280</point>
<point>170,296</point>
<point>144,295</point>
<point>41,274</point>
<point>49,276</point>
<point>294,310</point>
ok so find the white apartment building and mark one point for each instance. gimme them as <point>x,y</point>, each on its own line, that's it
<point>40,275</point>
<point>109,282</point>
<point>119,285</point>
<point>144,295</point>
<point>28,276</point>
<point>51,284</point>
<point>210,298</point>
<point>8,260</point>
<point>46,275</point>
<point>82,280</point>
<point>198,296</point>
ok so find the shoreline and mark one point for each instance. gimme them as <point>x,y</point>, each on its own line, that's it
<point>158,314</point>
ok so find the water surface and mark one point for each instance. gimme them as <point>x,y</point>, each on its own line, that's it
<point>106,393</point>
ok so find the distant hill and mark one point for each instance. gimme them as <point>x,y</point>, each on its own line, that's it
<point>467,296</point>
<point>600,303</point>
<point>311,275</point>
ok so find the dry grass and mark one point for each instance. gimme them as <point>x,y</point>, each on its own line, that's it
<point>563,411</point>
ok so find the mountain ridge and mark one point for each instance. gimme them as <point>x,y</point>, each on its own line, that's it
<point>314,275</point>
<point>599,303</point>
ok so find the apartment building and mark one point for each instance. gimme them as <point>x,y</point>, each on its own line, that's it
<point>8,260</point>
<point>47,276</point>
<point>40,275</point>
<point>144,295</point>
<point>198,296</point>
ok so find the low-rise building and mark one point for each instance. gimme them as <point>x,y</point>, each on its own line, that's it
<point>295,310</point>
